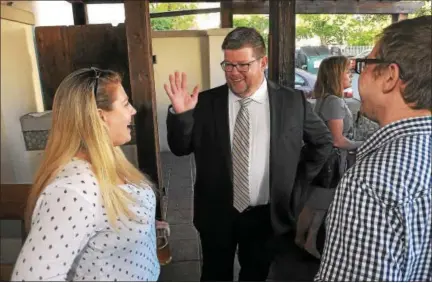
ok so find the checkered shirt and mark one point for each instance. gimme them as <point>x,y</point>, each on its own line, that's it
<point>379,224</point>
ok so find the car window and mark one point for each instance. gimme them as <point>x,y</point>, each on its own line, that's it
<point>299,80</point>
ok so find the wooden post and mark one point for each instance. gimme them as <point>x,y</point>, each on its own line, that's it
<point>79,11</point>
<point>398,17</point>
<point>226,15</point>
<point>402,17</point>
<point>139,42</point>
<point>282,42</point>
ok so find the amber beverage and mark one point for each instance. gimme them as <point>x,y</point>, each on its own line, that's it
<point>163,249</point>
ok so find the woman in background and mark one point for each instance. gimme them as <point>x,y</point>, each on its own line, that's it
<point>334,75</point>
<point>91,213</point>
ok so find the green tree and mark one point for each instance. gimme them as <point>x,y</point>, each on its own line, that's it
<point>329,28</point>
<point>426,10</point>
<point>172,23</point>
<point>363,29</point>
<point>341,29</point>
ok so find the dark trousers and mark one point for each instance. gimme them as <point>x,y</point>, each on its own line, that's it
<point>292,263</point>
<point>250,230</point>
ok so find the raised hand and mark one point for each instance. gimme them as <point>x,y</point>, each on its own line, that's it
<point>177,92</point>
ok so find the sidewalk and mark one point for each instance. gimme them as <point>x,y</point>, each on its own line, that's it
<point>184,243</point>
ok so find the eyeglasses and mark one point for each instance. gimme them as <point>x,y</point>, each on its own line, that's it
<point>241,67</point>
<point>361,63</point>
<point>97,73</point>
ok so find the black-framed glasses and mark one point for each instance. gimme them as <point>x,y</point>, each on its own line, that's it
<point>241,67</point>
<point>361,63</point>
<point>97,73</point>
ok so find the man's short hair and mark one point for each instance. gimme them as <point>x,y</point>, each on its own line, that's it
<point>408,43</point>
<point>242,37</point>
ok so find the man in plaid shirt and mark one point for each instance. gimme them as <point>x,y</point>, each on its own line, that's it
<point>379,224</point>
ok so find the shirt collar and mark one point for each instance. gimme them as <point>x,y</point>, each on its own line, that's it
<point>260,95</point>
<point>395,130</point>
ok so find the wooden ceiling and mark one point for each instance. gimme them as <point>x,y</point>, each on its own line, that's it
<point>302,6</point>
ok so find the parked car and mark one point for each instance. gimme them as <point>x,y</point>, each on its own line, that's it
<point>304,81</point>
<point>309,58</point>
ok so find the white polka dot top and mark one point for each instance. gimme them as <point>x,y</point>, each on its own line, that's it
<point>70,237</point>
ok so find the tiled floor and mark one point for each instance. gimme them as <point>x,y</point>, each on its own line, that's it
<point>179,175</point>
<point>184,243</point>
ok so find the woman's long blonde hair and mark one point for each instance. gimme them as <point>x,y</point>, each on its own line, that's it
<point>77,127</point>
<point>329,78</point>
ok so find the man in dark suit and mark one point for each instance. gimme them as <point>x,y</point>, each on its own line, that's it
<point>246,137</point>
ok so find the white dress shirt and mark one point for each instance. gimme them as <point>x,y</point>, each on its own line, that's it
<point>259,151</point>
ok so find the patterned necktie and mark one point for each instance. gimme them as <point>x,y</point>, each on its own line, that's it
<point>240,156</point>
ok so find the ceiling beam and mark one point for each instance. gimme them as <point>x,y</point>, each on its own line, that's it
<point>184,12</point>
<point>302,7</point>
<point>333,7</point>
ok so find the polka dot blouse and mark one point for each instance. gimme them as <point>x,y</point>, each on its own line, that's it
<point>70,237</point>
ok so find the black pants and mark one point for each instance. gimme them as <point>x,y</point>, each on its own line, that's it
<point>293,264</point>
<point>251,230</point>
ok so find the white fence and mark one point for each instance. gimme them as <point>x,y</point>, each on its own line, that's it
<point>353,50</point>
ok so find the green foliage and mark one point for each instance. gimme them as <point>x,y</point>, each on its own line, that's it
<point>426,10</point>
<point>342,29</point>
<point>172,23</point>
<point>331,29</point>
<point>363,30</point>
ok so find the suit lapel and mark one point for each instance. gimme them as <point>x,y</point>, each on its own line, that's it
<point>221,119</point>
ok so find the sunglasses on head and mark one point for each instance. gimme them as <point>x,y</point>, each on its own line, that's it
<point>97,74</point>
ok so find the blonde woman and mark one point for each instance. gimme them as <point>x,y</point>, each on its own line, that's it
<point>91,213</point>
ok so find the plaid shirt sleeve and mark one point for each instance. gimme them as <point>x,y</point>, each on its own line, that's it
<point>366,237</point>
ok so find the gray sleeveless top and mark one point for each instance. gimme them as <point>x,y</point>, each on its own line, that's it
<point>332,107</point>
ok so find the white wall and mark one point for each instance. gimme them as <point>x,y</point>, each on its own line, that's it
<point>20,94</point>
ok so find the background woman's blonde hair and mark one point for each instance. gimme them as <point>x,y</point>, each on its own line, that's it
<point>329,78</point>
<point>77,126</point>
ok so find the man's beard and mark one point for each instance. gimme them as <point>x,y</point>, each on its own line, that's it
<point>239,94</point>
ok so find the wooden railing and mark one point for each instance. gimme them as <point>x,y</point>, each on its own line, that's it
<point>13,199</point>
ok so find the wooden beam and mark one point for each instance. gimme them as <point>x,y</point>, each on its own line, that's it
<point>79,11</point>
<point>282,41</point>
<point>226,15</point>
<point>332,7</point>
<point>184,12</point>
<point>138,34</point>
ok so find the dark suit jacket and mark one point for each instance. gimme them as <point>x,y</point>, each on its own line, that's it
<point>204,131</point>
